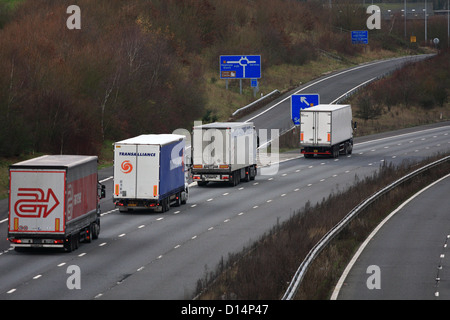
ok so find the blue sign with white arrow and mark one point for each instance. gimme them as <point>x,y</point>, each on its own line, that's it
<point>240,67</point>
<point>302,101</point>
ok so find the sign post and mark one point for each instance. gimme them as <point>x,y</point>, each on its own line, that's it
<point>254,85</point>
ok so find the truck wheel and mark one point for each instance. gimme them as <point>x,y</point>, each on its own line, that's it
<point>76,241</point>
<point>165,205</point>
<point>252,173</point>
<point>95,230</point>
<point>344,149</point>
<point>90,232</point>
<point>236,179</point>
<point>178,199</point>
<point>335,151</point>
<point>350,149</point>
<point>247,174</point>
<point>68,244</point>
<point>184,197</point>
<point>71,243</point>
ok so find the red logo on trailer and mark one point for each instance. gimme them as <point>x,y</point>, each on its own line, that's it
<point>34,203</point>
<point>126,166</point>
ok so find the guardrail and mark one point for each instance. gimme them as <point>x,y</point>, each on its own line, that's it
<point>314,252</point>
<point>276,91</point>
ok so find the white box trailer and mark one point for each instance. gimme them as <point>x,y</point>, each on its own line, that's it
<point>54,202</point>
<point>326,130</point>
<point>149,172</point>
<point>224,151</point>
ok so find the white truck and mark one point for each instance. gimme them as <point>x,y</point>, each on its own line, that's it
<point>54,202</point>
<point>326,130</point>
<point>224,151</point>
<point>149,172</point>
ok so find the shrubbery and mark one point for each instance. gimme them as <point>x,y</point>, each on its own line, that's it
<point>139,66</point>
<point>424,84</point>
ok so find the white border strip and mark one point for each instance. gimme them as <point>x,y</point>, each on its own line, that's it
<point>364,244</point>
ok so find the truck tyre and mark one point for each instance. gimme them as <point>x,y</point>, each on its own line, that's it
<point>344,149</point>
<point>68,244</point>
<point>90,232</point>
<point>76,241</point>
<point>96,230</point>
<point>178,199</point>
<point>72,242</point>
<point>236,178</point>
<point>350,148</point>
<point>247,174</point>
<point>165,205</point>
<point>335,151</point>
<point>253,173</point>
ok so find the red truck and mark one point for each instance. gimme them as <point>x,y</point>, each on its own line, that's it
<point>54,202</point>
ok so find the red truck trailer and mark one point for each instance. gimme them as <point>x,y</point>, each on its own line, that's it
<point>54,202</point>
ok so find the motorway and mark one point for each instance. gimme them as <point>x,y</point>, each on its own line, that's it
<point>411,251</point>
<point>144,255</point>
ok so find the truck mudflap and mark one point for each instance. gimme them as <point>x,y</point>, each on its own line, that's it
<point>68,242</point>
<point>333,151</point>
<point>232,177</point>
<point>29,242</point>
<point>176,198</point>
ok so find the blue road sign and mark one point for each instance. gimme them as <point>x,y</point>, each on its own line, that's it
<point>360,37</point>
<point>302,101</point>
<point>240,67</point>
<point>254,83</point>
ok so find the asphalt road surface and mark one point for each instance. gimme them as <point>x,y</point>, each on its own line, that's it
<point>410,251</point>
<point>145,255</point>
